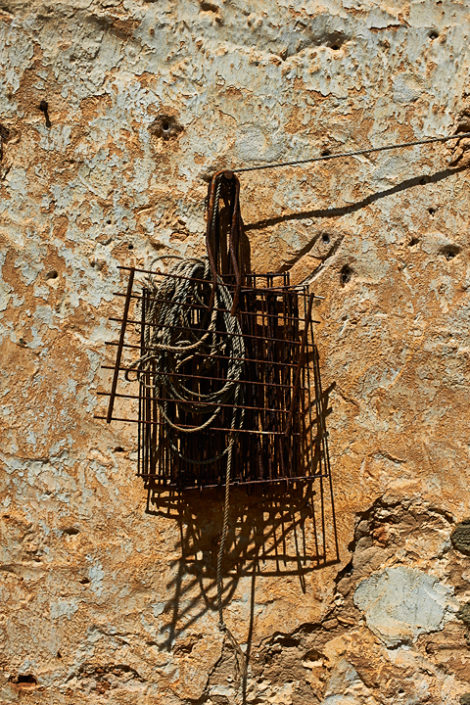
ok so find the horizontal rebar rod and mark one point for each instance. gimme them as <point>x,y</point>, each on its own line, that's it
<point>173,484</point>
<point>255,275</point>
<point>204,377</point>
<point>152,398</point>
<point>260,338</point>
<point>227,429</point>
<point>286,317</point>
<point>213,357</point>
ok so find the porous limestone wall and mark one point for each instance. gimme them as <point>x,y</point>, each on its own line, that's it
<point>105,603</point>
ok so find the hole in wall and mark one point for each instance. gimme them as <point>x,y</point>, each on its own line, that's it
<point>325,153</point>
<point>52,274</point>
<point>58,654</point>
<point>44,108</point>
<point>118,449</point>
<point>433,34</point>
<point>431,210</point>
<point>165,126</point>
<point>334,40</point>
<point>4,133</point>
<point>71,530</point>
<point>25,680</point>
<point>84,581</point>
<point>325,238</point>
<point>345,274</point>
<point>414,241</point>
<point>208,6</point>
<point>450,251</point>
<point>130,246</point>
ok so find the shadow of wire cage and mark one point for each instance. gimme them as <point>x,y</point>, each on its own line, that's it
<point>282,437</point>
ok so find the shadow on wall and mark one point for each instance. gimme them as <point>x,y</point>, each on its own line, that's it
<point>274,530</point>
<point>337,211</point>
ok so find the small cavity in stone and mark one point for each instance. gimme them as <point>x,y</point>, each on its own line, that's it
<point>25,680</point>
<point>71,530</point>
<point>165,126</point>
<point>345,274</point>
<point>325,237</point>
<point>414,241</point>
<point>4,132</point>
<point>52,274</point>
<point>433,34</point>
<point>449,251</point>
<point>208,6</point>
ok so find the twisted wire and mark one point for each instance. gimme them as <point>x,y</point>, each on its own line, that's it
<point>356,153</point>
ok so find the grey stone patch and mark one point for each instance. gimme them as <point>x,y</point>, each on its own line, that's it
<point>345,687</point>
<point>402,603</point>
<point>460,537</point>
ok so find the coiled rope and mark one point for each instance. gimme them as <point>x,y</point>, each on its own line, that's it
<point>173,339</point>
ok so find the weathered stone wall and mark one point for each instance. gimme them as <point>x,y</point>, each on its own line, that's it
<point>103,603</point>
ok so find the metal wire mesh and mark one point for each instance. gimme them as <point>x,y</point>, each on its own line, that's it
<point>282,437</point>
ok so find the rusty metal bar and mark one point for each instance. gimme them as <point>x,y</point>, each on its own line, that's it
<point>226,429</point>
<point>137,297</point>
<point>197,403</point>
<point>218,332</point>
<point>121,342</point>
<point>202,377</point>
<point>298,478</point>
<point>214,357</point>
<point>300,364</point>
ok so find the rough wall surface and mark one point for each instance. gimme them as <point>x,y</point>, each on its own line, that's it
<point>99,602</point>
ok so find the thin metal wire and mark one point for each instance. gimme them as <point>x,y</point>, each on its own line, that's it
<point>341,155</point>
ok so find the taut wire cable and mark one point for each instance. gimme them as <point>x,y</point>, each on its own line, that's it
<point>341,155</point>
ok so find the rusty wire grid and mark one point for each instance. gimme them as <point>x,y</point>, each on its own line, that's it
<point>217,366</point>
<point>279,431</point>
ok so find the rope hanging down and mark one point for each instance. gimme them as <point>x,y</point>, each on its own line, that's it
<point>176,340</point>
<point>341,155</point>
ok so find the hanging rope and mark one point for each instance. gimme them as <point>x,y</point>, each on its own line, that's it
<point>172,341</point>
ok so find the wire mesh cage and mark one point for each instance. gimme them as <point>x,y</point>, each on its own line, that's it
<point>270,410</point>
<point>218,368</point>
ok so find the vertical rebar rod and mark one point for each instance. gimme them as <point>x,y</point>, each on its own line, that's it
<point>120,346</point>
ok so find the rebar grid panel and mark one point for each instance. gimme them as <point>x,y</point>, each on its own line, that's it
<point>279,431</point>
